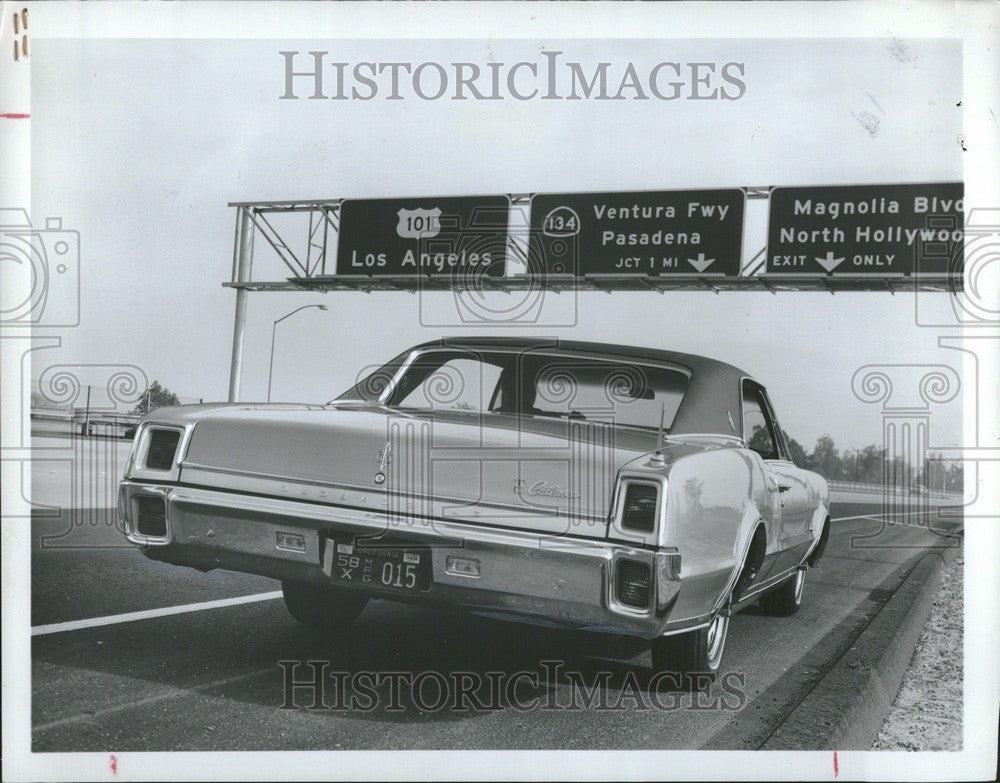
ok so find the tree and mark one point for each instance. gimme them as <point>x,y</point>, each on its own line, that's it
<point>942,474</point>
<point>40,402</point>
<point>825,459</point>
<point>156,397</point>
<point>954,478</point>
<point>900,473</point>
<point>867,465</point>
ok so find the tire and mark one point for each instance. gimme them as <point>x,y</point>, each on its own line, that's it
<point>786,599</point>
<point>322,607</point>
<point>695,656</point>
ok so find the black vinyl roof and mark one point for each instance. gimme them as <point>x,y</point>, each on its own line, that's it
<point>692,361</point>
<point>711,404</point>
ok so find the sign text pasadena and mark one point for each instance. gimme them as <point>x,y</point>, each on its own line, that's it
<point>689,232</point>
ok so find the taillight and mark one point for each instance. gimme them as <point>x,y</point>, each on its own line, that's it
<point>639,508</point>
<point>632,584</point>
<point>162,449</point>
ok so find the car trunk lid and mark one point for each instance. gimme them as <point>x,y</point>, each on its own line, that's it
<point>552,475</point>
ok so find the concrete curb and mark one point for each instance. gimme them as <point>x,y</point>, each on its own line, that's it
<point>847,708</point>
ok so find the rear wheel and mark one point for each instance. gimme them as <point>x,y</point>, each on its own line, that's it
<point>695,656</point>
<point>787,598</point>
<point>322,607</point>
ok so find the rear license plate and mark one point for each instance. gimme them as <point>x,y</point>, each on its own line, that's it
<point>386,566</point>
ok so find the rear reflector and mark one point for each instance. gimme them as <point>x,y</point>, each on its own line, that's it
<point>462,566</point>
<point>162,448</point>
<point>150,517</point>
<point>293,542</point>
<point>632,584</point>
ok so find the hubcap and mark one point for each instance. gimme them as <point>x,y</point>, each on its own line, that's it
<point>717,640</point>
<point>800,583</point>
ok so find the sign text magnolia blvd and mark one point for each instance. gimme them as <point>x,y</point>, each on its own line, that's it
<point>866,229</point>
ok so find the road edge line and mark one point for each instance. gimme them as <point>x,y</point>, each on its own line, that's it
<point>149,614</point>
<point>849,705</point>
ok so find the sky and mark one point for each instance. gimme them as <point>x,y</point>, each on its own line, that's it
<point>140,145</point>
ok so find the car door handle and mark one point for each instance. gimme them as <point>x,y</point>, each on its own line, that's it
<point>784,487</point>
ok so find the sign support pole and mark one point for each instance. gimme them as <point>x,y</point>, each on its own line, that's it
<point>241,274</point>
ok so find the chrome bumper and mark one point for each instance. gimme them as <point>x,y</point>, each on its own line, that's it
<point>552,580</point>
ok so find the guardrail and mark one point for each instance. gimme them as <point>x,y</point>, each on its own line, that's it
<point>87,423</point>
<point>879,489</point>
<point>82,415</point>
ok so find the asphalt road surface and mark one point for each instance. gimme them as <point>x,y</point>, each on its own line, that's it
<point>181,660</point>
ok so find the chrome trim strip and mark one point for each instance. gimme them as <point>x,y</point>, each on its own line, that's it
<point>705,620</point>
<point>382,491</point>
<point>767,584</point>
<point>713,435</point>
<point>731,583</point>
<point>390,387</point>
<point>686,629</point>
<point>220,498</point>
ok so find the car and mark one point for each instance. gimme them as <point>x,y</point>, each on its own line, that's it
<point>637,492</point>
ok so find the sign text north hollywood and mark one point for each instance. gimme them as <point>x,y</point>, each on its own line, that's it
<point>866,229</point>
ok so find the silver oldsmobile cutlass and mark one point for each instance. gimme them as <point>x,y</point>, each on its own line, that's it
<point>621,490</point>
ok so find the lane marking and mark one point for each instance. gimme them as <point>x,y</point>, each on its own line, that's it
<point>174,694</point>
<point>129,617</point>
<point>878,517</point>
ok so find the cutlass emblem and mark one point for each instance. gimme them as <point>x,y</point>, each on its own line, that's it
<point>543,489</point>
<point>384,460</point>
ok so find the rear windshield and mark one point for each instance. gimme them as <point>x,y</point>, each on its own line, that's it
<point>537,384</point>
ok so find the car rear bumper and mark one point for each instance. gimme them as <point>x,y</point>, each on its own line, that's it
<point>553,580</point>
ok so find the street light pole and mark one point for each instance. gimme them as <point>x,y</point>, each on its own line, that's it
<point>274,327</point>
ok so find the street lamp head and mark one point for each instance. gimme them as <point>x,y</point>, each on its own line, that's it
<point>274,328</point>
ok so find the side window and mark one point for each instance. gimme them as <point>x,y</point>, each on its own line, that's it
<point>781,439</point>
<point>457,384</point>
<point>758,430</point>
